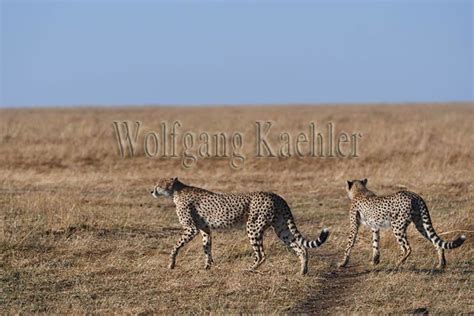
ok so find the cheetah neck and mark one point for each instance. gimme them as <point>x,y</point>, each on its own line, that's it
<point>361,193</point>
<point>178,186</point>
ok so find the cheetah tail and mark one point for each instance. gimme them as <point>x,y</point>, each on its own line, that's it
<point>431,234</point>
<point>308,243</point>
<point>435,239</point>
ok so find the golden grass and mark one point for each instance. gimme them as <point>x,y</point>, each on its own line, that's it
<point>81,233</point>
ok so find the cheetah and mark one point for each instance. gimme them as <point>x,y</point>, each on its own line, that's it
<point>200,210</point>
<point>394,211</point>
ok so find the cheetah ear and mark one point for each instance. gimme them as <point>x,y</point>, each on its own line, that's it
<point>349,184</point>
<point>175,179</point>
<point>364,182</point>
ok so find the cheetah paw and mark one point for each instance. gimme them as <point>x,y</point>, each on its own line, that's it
<point>342,264</point>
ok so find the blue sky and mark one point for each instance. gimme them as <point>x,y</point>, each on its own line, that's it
<point>235,52</point>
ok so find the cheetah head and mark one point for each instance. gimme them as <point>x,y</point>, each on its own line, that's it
<point>353,186</point>
<point>164,187</point>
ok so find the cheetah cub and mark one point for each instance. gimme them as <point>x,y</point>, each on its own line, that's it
<point>200,210</point>
<point>394,211</point>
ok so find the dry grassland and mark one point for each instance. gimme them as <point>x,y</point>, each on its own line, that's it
<point>80,231</point>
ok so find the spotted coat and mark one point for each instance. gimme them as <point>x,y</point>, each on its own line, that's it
<point>395,211</point>
<point>200,210</point>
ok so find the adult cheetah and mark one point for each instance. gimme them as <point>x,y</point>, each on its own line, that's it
<point>200,210</point>
<point>397,211</point>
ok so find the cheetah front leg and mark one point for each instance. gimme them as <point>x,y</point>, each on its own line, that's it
<point>187,236</point>
<point>375,246</point>
<point>207,246</point>
<point>354,228</point>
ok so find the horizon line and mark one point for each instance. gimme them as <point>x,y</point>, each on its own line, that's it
<point>216,105</point>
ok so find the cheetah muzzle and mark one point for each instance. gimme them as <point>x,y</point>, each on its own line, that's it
<point>200,210</point>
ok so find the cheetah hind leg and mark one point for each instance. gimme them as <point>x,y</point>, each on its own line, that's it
<point>284,233</point>
<point>402,239</point>
<point>441,258</point>
<point>418,221</point>
<point>259,257</point>
<point>375,247</point>
<point>303,255</point>
<point>207,247</point>
<point>256,240</point>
